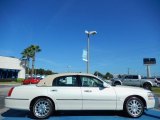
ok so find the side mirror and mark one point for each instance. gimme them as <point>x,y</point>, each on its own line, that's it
<point>105,85</point>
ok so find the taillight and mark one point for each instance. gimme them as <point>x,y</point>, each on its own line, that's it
<point>10,91</point>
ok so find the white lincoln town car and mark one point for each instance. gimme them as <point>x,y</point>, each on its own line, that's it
<point>78,91</point>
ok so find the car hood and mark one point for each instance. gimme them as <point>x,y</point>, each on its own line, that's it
<point>130,90</point>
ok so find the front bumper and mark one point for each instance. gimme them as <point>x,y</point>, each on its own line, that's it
<point>150,103</point>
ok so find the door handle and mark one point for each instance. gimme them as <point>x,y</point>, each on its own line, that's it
<point>88,91</point>
<point>54,90</point>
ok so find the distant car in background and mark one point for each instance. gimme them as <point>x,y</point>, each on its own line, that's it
<point>31,80</point>
<point>158,81</point>
<point>135,80</point>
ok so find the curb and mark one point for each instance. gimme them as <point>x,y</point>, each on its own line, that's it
<point>9,84</point>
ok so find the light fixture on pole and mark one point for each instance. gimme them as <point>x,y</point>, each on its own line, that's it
<point>88,39</point>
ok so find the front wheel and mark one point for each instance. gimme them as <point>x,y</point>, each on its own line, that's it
<point>42,108</point>
<point>134,107</point>
<point>117,83</point>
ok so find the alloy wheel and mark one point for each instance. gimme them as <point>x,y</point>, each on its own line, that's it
<point>134,107</point>
<point>42,108</point>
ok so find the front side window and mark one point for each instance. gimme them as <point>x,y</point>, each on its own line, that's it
<point>129,77</point>
<point>90,82</point>
<point>66,81</point>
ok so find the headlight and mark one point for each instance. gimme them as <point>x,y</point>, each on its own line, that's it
<point>150,95</point>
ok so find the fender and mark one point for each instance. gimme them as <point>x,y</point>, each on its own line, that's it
<point>148,82</point>
<point>117,81</point>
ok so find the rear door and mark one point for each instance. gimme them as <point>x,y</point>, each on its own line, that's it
<point>127,80</point>
<point>67,93</point>
<point>135,81</point>
<point>95,96</point>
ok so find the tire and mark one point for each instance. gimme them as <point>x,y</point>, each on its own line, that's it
<point>117,83</point>
<point>134,107</point>
<point>147,86</point>
<point>42,108</point>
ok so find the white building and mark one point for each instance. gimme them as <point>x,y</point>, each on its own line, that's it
<point>11,67</point>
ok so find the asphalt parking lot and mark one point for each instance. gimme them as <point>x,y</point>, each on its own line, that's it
<point>9,114</point>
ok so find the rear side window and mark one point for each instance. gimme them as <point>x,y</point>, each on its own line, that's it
<point>66,81</point>
<point>131,77</point>
<point>135,76</point>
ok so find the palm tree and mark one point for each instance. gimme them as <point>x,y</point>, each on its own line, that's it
<point>30,52</point>
<point>33,50</point>
<point>26,56</point>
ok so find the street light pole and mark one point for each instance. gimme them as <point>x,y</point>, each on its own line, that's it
<point>88,53</point>
<point>88,40</point>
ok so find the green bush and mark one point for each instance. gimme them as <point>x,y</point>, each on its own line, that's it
<point>20,80</point>
<point>156,90</point>
<point>8,79</point>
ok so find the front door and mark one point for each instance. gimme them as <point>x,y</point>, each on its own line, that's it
<point>95,96</point>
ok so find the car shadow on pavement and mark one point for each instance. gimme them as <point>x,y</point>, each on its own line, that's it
<point>89,113</point>
<point>16,113</point>
<point>26,114</point>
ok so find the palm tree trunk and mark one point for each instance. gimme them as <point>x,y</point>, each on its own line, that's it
<point>33,60</point>
<point>28,66</point>
<point>25,66</point>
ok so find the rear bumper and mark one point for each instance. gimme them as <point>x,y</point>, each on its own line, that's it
<point>155,84</point>
<point>16,103</point>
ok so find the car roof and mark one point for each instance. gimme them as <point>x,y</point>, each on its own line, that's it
<point>47,81</point>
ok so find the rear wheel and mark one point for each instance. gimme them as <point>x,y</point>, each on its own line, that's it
<point>147,86</point>
<point>42,108</point>
<point>134,107</point>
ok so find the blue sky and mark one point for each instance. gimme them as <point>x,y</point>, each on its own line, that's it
<point>127,31</point>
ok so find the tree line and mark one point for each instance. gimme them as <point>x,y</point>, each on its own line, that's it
<point>103,76</point>
<point>42,71</point>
